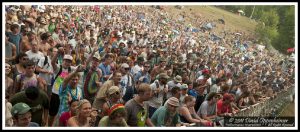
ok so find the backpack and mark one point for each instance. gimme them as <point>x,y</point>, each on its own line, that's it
<point>45,63</point>
<point>130,91</point>
<point>59,72</point>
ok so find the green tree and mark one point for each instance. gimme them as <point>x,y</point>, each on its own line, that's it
<point>286,29</point>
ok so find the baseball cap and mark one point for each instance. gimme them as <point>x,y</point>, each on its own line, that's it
<point>68,57</point>
<point>19,109</point>
<point>183,86</point>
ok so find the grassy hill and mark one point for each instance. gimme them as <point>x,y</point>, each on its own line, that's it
<point>233,22</point>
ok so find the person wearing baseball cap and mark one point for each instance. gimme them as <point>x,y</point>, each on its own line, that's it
<point>92,76</point>
<point>60,73</point>
<point>21,113</point>
<point>160,90</point>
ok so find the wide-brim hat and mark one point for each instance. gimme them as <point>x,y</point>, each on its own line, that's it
<point>178,79</point>
<point>163,75</point>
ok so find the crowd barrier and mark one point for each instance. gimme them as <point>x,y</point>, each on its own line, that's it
<point>270,107</point>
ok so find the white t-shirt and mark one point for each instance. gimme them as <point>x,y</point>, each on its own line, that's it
<point>157,98</point>
<point>55,89</point>
<point>136,69</point>
<point>34,56</point>
<point>47,67</point>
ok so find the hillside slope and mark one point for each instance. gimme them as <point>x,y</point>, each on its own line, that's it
<point>233,22</point>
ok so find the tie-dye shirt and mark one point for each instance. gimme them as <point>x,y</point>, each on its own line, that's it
<point>76,94</point>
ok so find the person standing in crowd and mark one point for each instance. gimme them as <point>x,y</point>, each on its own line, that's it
<point>136,108</point>
<point>27,40</point>
<point>14,36</point>
<point>114,96</point>
<point>106,68</point>
<point>200,94</point>
<point>127,83</point>
<point>138,67</point>
<point>176,82</point>
<point>65,116</point>
<point>116,117</point>
<point>10,51</point>
<point>82,119</point>
<point>34,54</point>
<point>60,73</point>
<point>69,90</point>
<point>158,69</point>
<point>92,76</point>
<point>9,83</point>
<point>19,68</point>
<point>143,76</point>
<point>37,100</point>
<point>176,92</point>
<point>8,116</point>
<point>183,89</point>
<point>101,96</point>
<point>22,116</point>
<point>23,81</point>
<point>44,43</point>
<point>159,89</point>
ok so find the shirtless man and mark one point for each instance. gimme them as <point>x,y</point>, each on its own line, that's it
<point>8,81</point>
<point>25,45</point>
<point>44,45</point>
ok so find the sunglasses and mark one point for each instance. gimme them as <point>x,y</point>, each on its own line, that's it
<point>117,93</point>
<point>127,69</point>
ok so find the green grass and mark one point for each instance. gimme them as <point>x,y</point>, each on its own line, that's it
<point>233,22</point>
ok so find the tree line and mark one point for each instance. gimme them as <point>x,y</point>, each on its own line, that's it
<point>276,23</point>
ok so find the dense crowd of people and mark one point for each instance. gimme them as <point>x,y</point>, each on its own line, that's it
<point>129,66</point>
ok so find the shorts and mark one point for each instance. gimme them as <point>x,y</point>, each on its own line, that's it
<point>54,104</point>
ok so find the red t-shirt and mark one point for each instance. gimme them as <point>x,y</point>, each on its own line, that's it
<point>221,108</point>
<point>64,118</point>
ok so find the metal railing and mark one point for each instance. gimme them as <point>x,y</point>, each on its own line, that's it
<point>269,107</point>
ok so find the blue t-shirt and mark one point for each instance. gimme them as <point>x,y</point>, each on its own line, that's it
<point>15,39</point>
<point>192,92</point>
<point>105,70</point>
<point>145,78</point>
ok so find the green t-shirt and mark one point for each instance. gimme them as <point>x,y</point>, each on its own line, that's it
<point>104,122</point>
<point>37,105</point>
